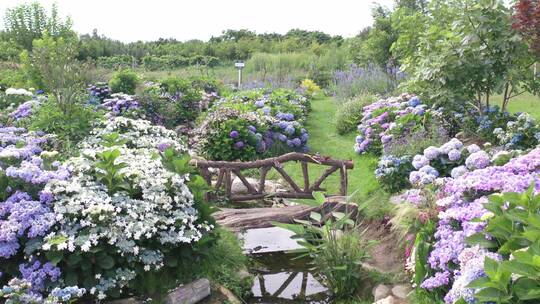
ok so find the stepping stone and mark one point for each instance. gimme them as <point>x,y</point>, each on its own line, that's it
<point>265,240</point>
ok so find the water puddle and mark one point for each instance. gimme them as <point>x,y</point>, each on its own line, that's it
<point>279,278</point>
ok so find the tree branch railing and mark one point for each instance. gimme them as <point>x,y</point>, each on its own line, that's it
<point>226,169</point>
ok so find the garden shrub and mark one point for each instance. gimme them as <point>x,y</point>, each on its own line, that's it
<point>253,124</point>
<point>310,87</point>
<point>126,215</point>
<point>462,202</point>
<point>516,279</point>
<point>26,215</point>
<point>386,119</point>
<point>174,102</point>
<point>522,133</point>
<point>453,159</point>
<point>349,113</point>
<point>392,172</point>
<point>70,126</point>
<point>124,81</point>
<point>98,92</point>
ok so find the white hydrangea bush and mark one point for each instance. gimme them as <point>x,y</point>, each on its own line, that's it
<point>130,230</point>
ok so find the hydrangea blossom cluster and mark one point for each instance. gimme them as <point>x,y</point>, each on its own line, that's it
<point>392,172</point>
<point>26,215</point>
<point>290,132</point>
<point>22,291</point>
<point>522,133</point>
<point>99,92</point>
<point>383,119</point>
<point>452,159</point>
<point>25,109</point>
<point>156,212</point>
<point>254,123</point>
<point>19,92</point>
<point>120,103</point>
<point>471,261</point>
<point>462,201</point>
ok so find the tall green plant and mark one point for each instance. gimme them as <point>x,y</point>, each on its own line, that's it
<point>335,245</point>
<point>53,66</point>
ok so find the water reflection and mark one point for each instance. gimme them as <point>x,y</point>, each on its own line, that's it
<point>281,279</point>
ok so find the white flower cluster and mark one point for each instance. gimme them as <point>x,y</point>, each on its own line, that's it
<point>137,226</point>
<point>21,92</point>
<point>138,132</point>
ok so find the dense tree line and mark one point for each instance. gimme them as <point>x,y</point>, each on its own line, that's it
<point>27,22</point>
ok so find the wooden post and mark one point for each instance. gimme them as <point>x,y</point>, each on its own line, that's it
<point>306,176</point>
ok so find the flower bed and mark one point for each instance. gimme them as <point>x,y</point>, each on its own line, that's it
<point>462,202</point>
<point>254,124</point>
<point>386,119</point>
<point>102,220</point>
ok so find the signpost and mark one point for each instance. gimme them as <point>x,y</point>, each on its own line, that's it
<point>239,65</point>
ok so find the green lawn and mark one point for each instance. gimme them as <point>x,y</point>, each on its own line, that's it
<point>522,103</point>
<point>324,140</point>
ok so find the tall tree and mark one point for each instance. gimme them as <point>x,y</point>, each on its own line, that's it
<point>27,22</point>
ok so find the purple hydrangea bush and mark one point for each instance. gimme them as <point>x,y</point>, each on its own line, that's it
<point>453,159</point>
<point>386,119</point>
<point>461,200</point>
<point>26,212</point>
<point>254,124</point>
<point>121,104</point>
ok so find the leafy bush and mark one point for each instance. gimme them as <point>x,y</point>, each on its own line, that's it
<point>70,126</point>
<point>512,230</point>
<point>462,202</point>
<point>253,124</point>
<point>101,241</point>
<point>391,118</point>
<point>173,102</point>
<point>115,62</point>
<point>231,135</point>
<point>310,87</point>
<point>521,133</point>
<point>124,81</point>
<point>26,165</point>
<point>349,113</point>
<point>393,172</point>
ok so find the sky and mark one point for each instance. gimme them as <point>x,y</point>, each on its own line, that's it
<point>132,20</point>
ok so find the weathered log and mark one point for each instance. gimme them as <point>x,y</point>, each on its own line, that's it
<point>190,293</point>
<point>238,219</point>
<point>262,181</point>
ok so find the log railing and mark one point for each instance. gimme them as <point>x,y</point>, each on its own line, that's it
<point>226,169</point>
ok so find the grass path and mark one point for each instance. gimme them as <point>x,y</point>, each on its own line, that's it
<point>324,140</point>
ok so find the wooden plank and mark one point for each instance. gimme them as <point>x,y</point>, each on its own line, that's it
<point>220,178</point>
<point>343,181</point>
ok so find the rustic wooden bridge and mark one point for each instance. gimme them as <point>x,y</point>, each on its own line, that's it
<point>226,169</point>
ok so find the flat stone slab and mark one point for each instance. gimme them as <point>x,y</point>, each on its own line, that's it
<point>265,240</point>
